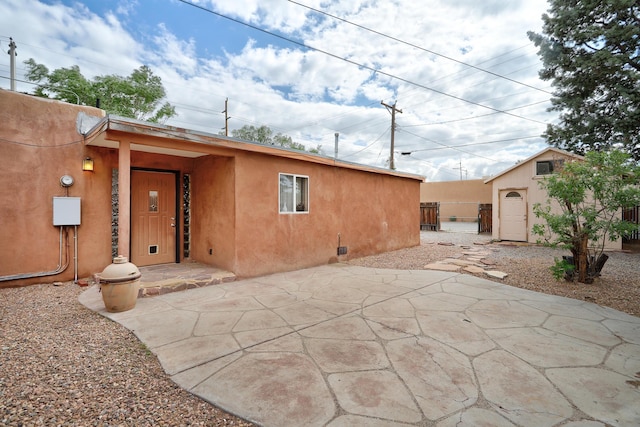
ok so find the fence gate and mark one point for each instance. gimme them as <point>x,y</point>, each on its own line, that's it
<point>484,218</point>
<point>632,215</point>
<point>430,216</point>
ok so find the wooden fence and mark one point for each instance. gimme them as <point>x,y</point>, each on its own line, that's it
<point>632,215</point>
<point>484,218</point>
<point>430,217</point>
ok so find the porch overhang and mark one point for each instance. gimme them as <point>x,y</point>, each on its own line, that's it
<point>162,139</point>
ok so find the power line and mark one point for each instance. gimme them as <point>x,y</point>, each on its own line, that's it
<point>473,117</point>
<point>446,147</point>
<point>360,151</point>
<point>495,112</point>
<point>363,66</point>
<point>418,47</point>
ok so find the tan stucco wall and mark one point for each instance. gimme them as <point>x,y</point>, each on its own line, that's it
<point>213,212</point>
<point>38,144</point>
<point>457,198</point>
<point>372,212</point>
<point>234,199</point>
<point>523,177</point>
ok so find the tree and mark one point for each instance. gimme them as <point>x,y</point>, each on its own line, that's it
<point>264,135</point>
<point>590,51</point>
<point>137,96</point>
<point>589,197</point>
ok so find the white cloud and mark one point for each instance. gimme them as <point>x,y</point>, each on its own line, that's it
<point>310,95</point>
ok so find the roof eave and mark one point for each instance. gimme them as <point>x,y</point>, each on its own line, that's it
<point>126,125</point>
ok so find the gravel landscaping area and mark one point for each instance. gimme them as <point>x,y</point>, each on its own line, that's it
<point>62,364</point>
<point>527,267</point>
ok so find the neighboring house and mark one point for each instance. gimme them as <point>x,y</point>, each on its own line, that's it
<point>516,190</point>
<point>160,194</point>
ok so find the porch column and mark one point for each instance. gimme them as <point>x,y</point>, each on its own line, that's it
<point>124,197</point>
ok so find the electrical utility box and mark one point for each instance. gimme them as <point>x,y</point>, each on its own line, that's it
<point>66,211</point>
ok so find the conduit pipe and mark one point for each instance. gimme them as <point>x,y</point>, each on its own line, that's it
<point>75,254</point>
<point>59,269</point>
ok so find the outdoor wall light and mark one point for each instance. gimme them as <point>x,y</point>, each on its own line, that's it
<point>87,164</point>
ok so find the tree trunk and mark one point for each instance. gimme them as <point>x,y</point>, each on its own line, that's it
<point>599,265</point>
<point>582,261</point>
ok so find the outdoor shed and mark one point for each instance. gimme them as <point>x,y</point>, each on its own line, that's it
<point>516,190</point>
<point>160,194</point>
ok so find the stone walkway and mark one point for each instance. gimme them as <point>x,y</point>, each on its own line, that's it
<point>471,260</point>
<point>166,278</point>
<point>350,346</point>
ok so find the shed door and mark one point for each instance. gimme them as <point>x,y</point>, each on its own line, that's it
<point>153,217</point>
<point>513,215</point>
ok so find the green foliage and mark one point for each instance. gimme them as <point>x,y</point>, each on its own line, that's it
<point>562,268</point>
<point>137,96</point>
<point>591,53</point>
<point>584,208</point>
<point>264,135</point>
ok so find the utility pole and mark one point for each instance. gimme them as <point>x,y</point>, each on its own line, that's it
<point>393,110</point>
<point>12,62</point>
<point>226,117</point>
<point>460,167</point>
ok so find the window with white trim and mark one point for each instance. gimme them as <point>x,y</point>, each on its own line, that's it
<point>293,194</point>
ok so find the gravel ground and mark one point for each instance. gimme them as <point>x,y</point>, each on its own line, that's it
<point>62,364</point>
<point>527,267</point>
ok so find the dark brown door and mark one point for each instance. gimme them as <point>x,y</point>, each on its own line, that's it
<point>153,218</point>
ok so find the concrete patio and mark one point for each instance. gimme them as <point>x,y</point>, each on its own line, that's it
<point>342,345</point>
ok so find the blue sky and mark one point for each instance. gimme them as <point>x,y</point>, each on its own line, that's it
<point>482,119</point>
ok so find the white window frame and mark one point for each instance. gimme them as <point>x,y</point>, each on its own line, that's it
<point>288,206</point>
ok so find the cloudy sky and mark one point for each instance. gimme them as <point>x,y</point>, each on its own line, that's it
<point>463,73</point>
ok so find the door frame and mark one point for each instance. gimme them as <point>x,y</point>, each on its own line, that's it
<point>526,211</point>
<point>178,198</point>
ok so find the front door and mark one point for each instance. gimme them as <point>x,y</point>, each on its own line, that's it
<point>153,217</point>
<point>513,215</point>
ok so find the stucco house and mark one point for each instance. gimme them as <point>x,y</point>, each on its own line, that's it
<point>516,190</point>
<point>160,194</point>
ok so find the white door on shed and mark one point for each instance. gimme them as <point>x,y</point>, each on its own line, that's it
<point>513,215</point>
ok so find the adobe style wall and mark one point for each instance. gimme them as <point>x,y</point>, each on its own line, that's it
<point>38,144</point>
<point>234,200</point>
<point>213,212</point>
<point>373,213</point>
<point>523,177</point>
<point>457,198</point>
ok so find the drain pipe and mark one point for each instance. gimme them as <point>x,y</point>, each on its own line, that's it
<point>59,269</point>
<point>75,254</point>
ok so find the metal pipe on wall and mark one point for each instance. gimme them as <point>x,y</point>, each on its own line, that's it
<point>75,254</point>
<point>59,269</point>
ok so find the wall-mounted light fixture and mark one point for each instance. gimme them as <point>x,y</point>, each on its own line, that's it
<point>87,164</point>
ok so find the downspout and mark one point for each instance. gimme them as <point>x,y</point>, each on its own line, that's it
<point>59,269</point>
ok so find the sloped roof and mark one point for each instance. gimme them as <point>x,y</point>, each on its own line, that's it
<point>96,136</point>
<point>528,159</point>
